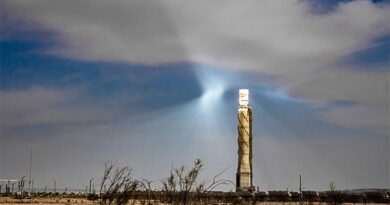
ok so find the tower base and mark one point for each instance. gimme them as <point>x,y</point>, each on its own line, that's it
<point>244,182</point>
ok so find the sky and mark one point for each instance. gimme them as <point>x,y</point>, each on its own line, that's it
<point>154,85</point>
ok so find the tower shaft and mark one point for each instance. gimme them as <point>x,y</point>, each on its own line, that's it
<point>244,168</point>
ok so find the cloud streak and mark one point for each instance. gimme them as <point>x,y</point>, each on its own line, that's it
<point>45,106</point>
<point>285,39</point>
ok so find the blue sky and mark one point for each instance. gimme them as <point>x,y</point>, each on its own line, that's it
<point>151,85</point>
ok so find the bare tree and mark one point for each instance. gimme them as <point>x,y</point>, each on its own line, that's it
<point>146,185</point>
<point>332,186</point>
<point>334,197</point>
<point>108,167</point>
<point>119,182</point>
<point>182,187</point>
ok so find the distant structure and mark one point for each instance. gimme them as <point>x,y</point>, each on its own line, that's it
<point>30,183</point>
<point>244,168</point>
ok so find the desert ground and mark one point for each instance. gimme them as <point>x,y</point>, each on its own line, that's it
<point>76,201</point>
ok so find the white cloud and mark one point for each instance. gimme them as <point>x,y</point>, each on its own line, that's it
<point>262,35</point>
<point>281,38</point>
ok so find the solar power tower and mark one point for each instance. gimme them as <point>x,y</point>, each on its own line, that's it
<point>244,168</point>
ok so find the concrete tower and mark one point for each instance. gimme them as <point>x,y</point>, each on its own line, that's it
<point>244,169</point>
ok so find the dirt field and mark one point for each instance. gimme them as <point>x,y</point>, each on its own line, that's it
<point>75,201</point>
<point>46,201</point>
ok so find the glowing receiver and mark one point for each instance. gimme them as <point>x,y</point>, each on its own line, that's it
<point>243,100</point>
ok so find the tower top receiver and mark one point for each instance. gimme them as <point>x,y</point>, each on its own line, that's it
<point>243,99</point>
